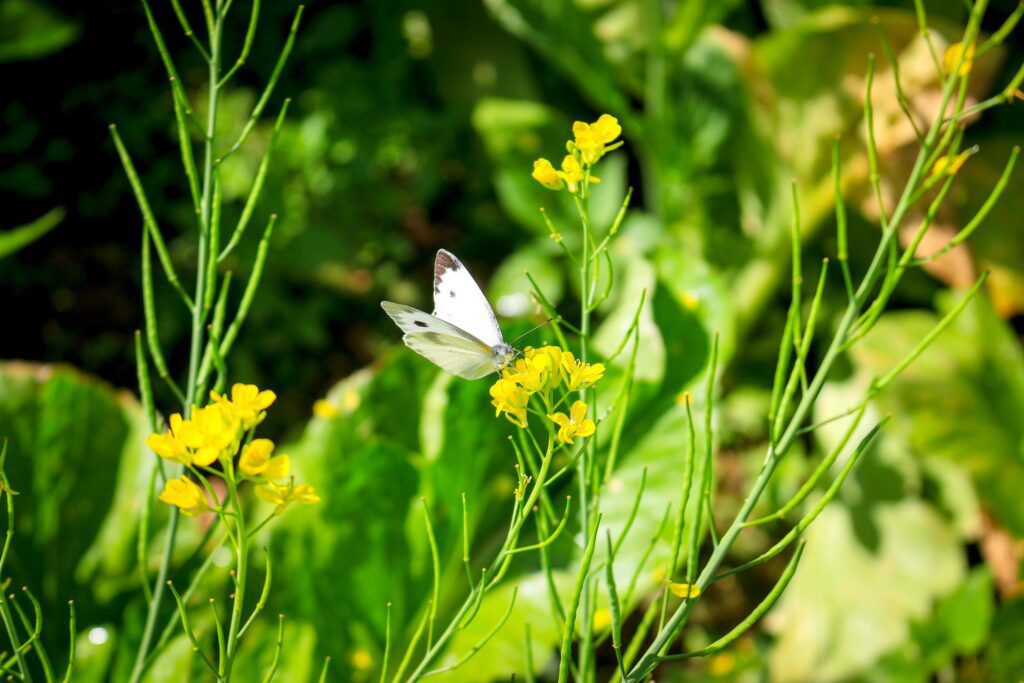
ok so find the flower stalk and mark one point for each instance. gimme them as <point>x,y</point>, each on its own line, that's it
<point>208,345</point>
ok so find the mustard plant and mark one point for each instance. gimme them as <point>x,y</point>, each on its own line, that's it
<point>209,431</point>
<point>551,408</point>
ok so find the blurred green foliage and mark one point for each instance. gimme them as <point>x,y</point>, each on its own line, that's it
<point>413,127</point>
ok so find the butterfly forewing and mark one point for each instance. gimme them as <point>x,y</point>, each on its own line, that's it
<point>459,301</point>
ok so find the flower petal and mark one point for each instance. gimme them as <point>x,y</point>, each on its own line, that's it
<point>560,419</point>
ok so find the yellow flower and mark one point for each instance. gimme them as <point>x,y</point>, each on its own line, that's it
<point>950,165</point>
<point>602,619</point>
<point>172,444</point>
<point>721,664</point>
<point>952,56</point>
<point>548,360</point>
<point>526,375</point>
<point>683,590</point>
<point>545,174</point>
<point>591,138</point>
<point>350,401</point>
<point>282,495</point>
<point>361,660</point>
<point>256,460</point>
<point>213,432</point>
<point>572,173</point>
<point>606,128</point>
<point>510,398</point>
<point>247,402</point>
<point>186,495</point>
<point>575,424</point>
<point>326,410</point>
<point>580,375</point>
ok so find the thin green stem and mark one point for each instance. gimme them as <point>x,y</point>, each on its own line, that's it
<point>241,569</point>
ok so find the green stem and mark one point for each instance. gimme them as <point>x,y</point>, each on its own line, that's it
<point>196,345</point>
<point>5,611</point>
<point>241,567</point>
<point>583,469</point>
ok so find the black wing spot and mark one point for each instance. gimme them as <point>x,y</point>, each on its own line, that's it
<point>419,323</point>
<point>451,293</point>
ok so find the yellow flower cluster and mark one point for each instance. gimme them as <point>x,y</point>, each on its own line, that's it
<point>210,434</point>
<point>591,142</point>
<point>214,433</point>
<point>541,372</point>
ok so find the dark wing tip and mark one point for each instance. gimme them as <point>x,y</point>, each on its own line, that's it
<point>445,261</point>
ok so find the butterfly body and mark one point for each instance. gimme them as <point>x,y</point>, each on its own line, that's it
<point>461,335</point>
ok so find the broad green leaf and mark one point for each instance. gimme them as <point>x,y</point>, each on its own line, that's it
<point>360,458</point>
<point>510,290</point>
<point>76,456</point>
<point>95,648</point>
<point>175,663</point>
<point>966,614</point>
<point>504,655</point>
<point>961,400</point>
<point>847,605</point>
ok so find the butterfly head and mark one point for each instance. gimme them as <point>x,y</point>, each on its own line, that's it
<point>504,354</point>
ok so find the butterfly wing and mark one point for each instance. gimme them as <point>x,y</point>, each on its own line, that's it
<point>459,301</point>
<point>443,344</point>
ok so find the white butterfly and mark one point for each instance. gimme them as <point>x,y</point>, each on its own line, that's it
<point>462,336</point>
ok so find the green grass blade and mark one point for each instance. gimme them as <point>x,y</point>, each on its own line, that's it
<point>15,239</point>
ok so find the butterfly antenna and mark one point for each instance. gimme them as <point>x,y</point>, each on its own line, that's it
<point>531,330</point>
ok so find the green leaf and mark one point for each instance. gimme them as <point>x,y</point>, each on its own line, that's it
<point>95,649</point>
<point>76,454</point>
<point>974,373</point>
<point>1004,653</point>
<point>503,655</point>
<point>847,606</point>
<point>16,239</point>
<point>510,289</point>
<point>174,664</point>
<point>32,30</point>
<point>966,614</point>
<point>361,464</point>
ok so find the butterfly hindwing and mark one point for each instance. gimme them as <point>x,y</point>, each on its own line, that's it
<point>442,343</point>
<point>459,301</point>
<point>457,355</point>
